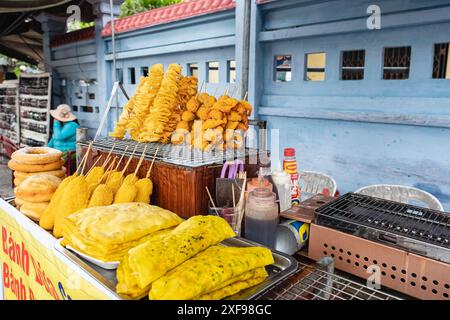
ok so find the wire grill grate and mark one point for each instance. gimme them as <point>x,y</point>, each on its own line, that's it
<point>353,210</point>
<point>312,283</point>
<point>169,153</point>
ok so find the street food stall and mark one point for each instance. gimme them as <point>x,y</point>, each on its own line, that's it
<point>174,205</point>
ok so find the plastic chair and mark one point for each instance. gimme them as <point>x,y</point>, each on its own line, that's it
<point>403,194</point>
<point>317,182</point>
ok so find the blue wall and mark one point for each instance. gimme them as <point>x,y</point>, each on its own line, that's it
<point>74,62</point>
<point>360,132</point>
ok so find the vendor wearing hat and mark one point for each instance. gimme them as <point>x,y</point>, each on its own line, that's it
<point>64,129</point>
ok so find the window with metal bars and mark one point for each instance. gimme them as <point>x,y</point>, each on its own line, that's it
<point>397,62</point>
<point>353,62</point>
<point>282,70</point>
<point>231,68</point>
<point>192,69</point>
<point>213,71</point>
<point>315,66</point>
<point>144,71</point>
<point>441,61</point>
<point>132,75</point>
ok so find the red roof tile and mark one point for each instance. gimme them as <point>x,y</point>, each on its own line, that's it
<point>74,36</point>
<point>183,10</point>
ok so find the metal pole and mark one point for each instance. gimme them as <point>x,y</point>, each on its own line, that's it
<point>113,43</point>
<point>245,47</point>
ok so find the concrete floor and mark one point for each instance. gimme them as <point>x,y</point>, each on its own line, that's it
<point>6,189</point>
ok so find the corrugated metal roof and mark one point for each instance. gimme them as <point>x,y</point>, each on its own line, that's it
<point>184,10</point>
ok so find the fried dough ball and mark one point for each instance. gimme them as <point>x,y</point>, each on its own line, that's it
<point>193,105</point>
<point>184,125</point>
<point>211,123</point>
<point>202,113</point>
<point>232,125</point>
<point>216,114</point>
<point>187,116</point>
<point>234,116</point>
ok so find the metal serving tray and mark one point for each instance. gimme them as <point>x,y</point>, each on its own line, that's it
<point>283,267</point>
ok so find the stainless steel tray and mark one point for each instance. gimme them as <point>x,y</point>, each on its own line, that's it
<point>283,267</point>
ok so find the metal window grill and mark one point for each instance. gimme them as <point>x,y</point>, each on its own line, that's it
<point>441,57</point>
<point>353,62</point>
<point>396,63</point>
<point>311,282</point>
<point>410,227</point>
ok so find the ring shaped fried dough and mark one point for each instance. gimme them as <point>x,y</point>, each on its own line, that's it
<point>33,210</point>
<point>38,188</point>
<point>60,173</point>
<point>36,155</point>
<point>14,165</point>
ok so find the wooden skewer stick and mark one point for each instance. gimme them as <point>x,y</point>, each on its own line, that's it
<point>241,200</point>
<point>140,160</point>
<point>201,87</point>
<point>151,165</point>
<point>212,201</point>
<point>245,96</point>
<point>232,92</point>
<point>110,166</point>
<point>95,163</point>
<point>121,157</point>
<point>234,201</point>
<point>110,151</point>
<point>228,89</point>
<point>129,159</point>
<point>83,161</point>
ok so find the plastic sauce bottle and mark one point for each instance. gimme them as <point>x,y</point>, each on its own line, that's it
<point>261,217</point>
<point>282,183</point>
<point>290,166</point>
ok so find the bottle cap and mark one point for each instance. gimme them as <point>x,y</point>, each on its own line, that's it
<point>289,152</point>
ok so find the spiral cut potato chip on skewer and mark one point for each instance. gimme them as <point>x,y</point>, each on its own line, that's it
<point>164,105</point>
<point>145,96</point>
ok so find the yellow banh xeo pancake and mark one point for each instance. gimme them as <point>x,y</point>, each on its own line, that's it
<point>120,223</point>
<point>233,288</point>
<point>152,259</point>
<point>252,274</point>
<point>208,271</point>
<point>105,253</point>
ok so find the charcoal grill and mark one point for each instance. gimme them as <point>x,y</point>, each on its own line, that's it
<point>406,246</point>
<point>414,229</point>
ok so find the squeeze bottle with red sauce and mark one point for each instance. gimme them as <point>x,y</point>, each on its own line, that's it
<point>290,166</point>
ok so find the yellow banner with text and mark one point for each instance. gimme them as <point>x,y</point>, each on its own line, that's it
<point>31,269</point>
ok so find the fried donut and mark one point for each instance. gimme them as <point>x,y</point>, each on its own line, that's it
<point>17,166</point>
<point>38,188</point>
<point>60,173</point>
<point>33,210</point>
<point>19,202</point>
<point>36,155</point>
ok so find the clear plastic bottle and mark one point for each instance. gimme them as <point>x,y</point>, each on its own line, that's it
<point>261,217</point>
<point>282,183</point>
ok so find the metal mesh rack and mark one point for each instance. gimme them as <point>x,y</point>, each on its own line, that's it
<point>178,155</point>
<point>410,227</point>
<point>311,282</point>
